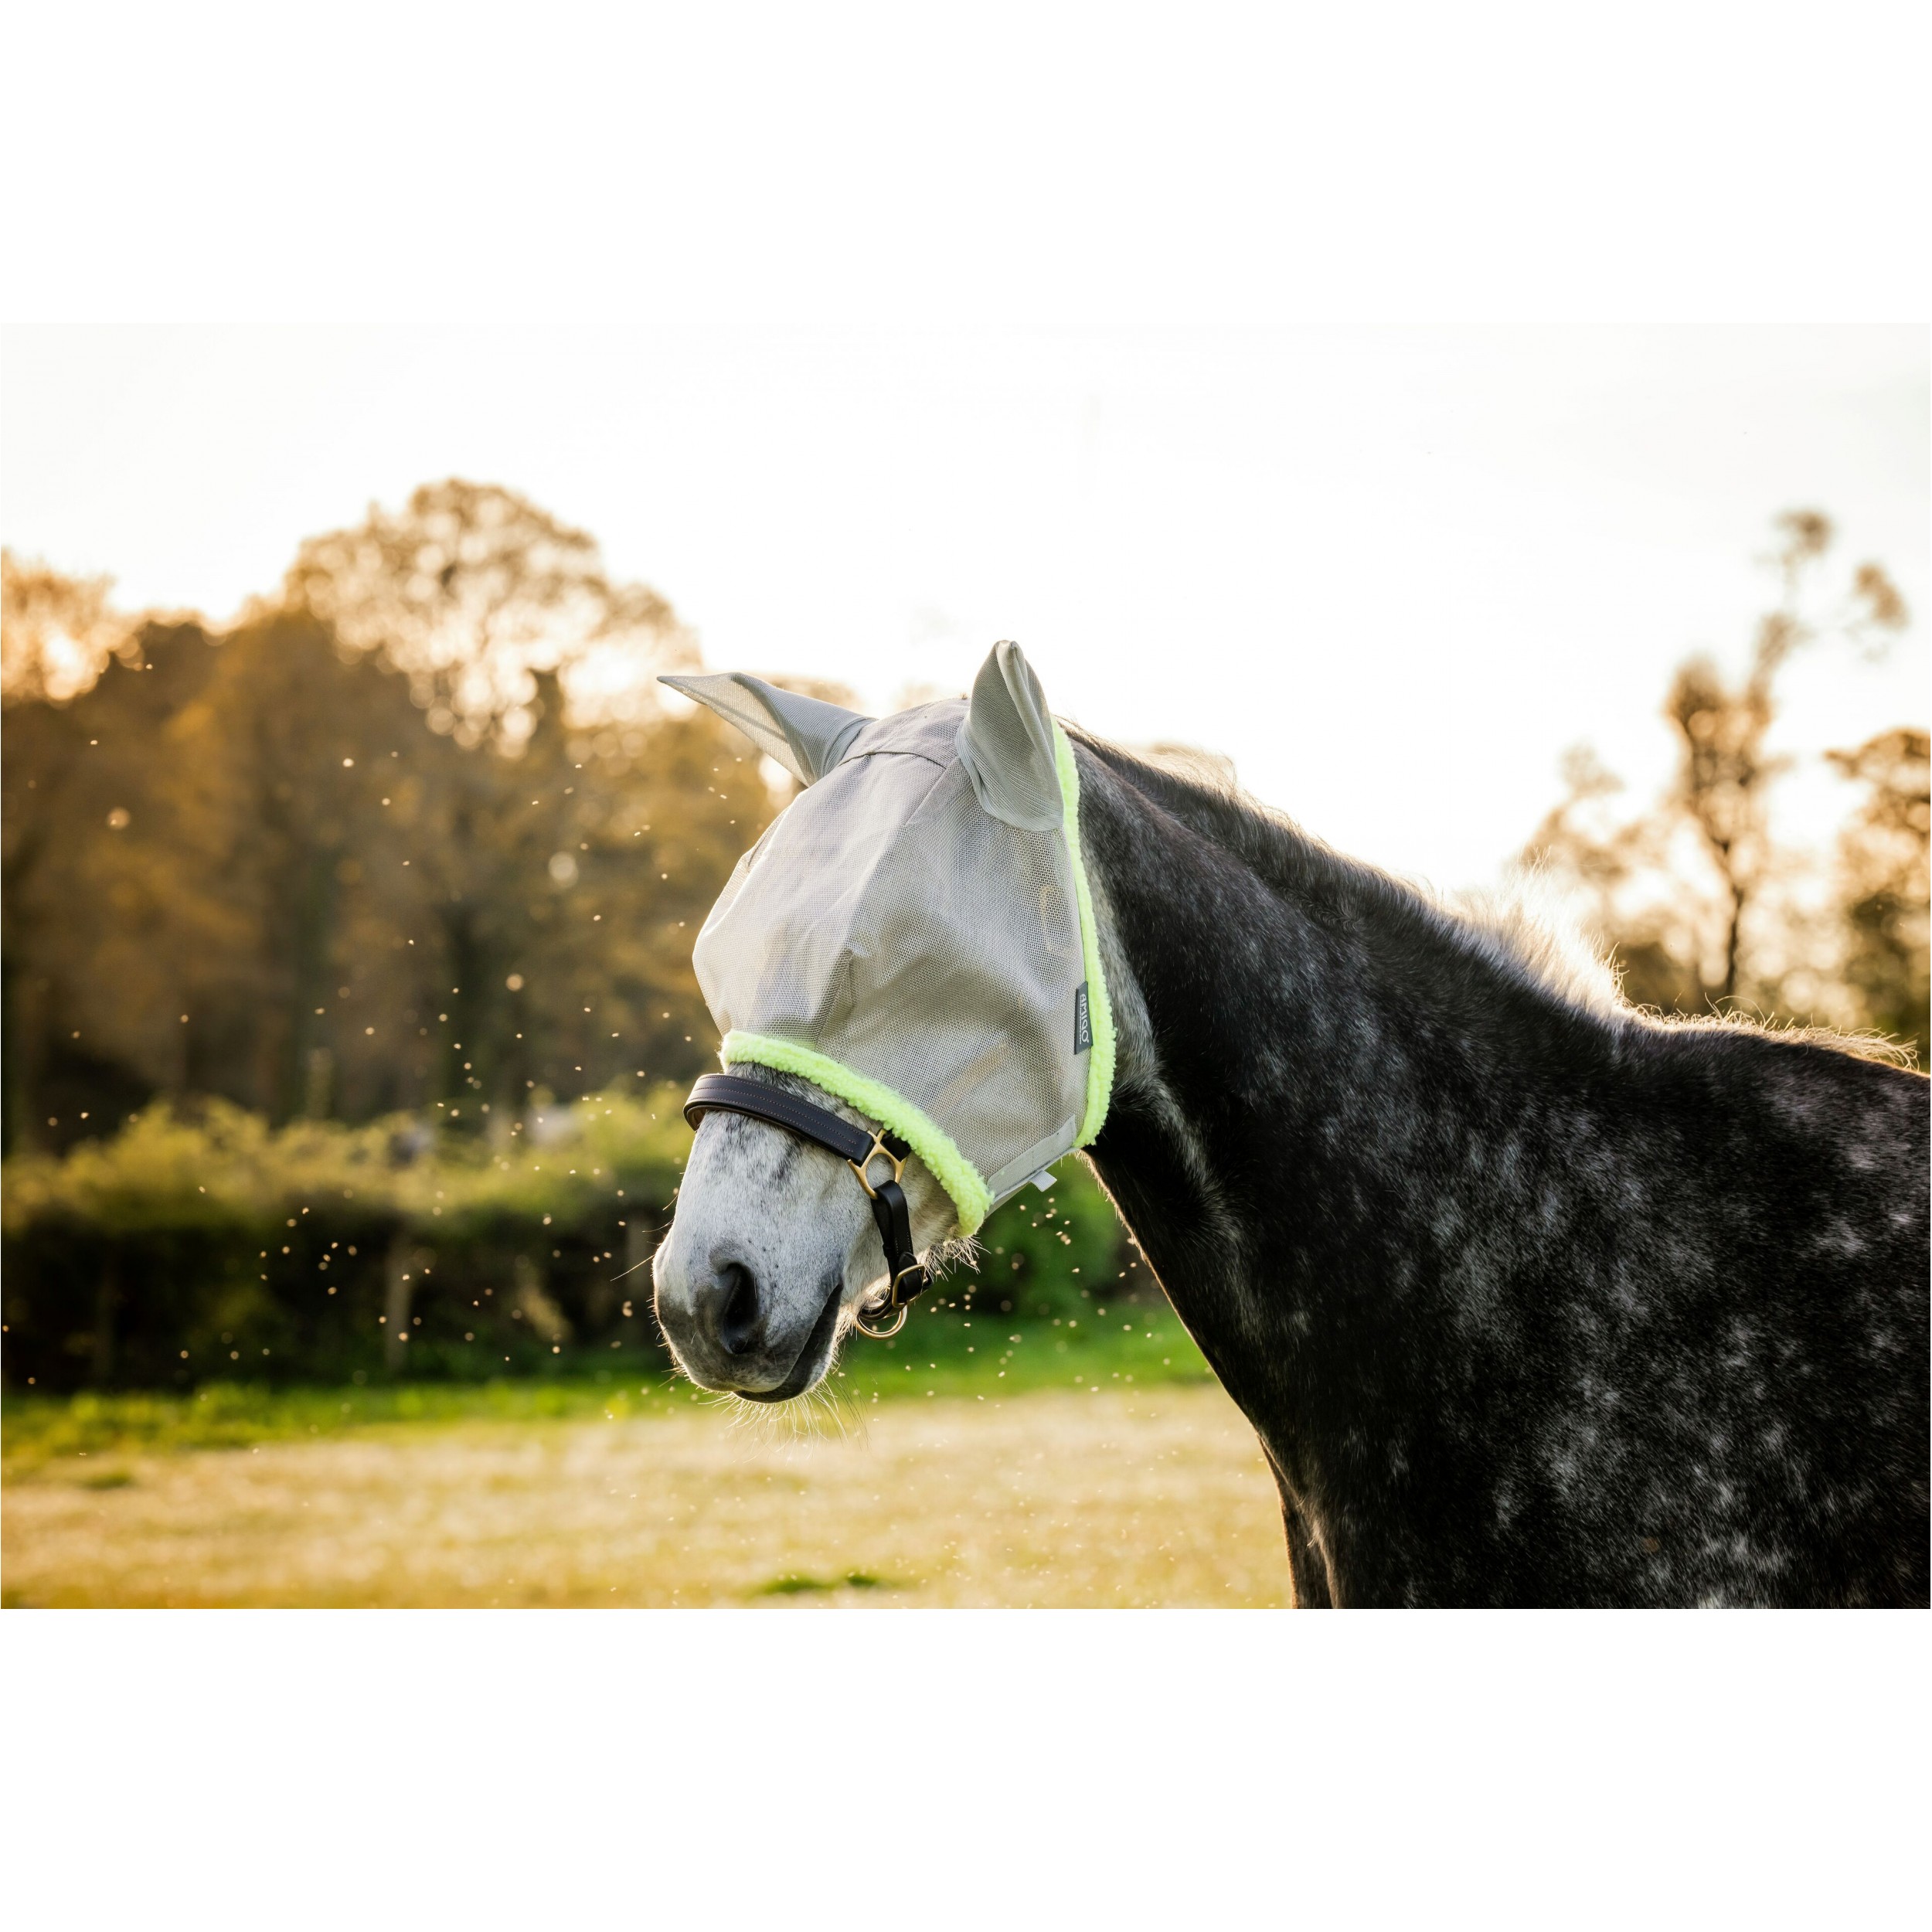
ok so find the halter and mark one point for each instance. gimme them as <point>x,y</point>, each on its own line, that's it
<point>727,1094</point>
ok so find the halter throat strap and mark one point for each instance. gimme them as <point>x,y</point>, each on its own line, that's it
<point>730,1094</point>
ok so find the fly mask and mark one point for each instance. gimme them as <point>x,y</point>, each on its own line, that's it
<point>914,935</point>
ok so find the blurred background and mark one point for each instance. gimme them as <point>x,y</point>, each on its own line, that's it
<point>353,860</point>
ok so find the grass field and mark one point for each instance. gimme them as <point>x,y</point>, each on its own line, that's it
<point>1097,1463</point>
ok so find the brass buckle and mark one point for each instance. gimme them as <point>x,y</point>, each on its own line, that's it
<point>891,1305</point>
<point>878,1151</point>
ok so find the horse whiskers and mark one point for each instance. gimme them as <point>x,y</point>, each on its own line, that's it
<point>823,1409</point>
<point>818,1413</point>
<point>961,1251</point>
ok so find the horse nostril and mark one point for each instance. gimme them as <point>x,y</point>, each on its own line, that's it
<point>738,1316</point>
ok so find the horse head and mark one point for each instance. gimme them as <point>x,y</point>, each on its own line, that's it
<point>909,951</point>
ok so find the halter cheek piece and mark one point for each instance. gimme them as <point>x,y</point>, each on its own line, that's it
<point>727,1094</point>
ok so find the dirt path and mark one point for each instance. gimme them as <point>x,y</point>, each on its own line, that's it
<point>1158,1497</point>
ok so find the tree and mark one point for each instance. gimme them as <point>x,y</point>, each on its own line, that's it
<point>84,964</point>
<point>1884,884</point>
<point>246,864</point>
<point>471,591</point>
<point>514,638</point>
<point>1725,774</point>
<point>287,772</point>
<point>1694,894</point>
<point>56,633</point>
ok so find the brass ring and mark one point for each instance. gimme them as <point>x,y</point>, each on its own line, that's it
<point>881,1334</point>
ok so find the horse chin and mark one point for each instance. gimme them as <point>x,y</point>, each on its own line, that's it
<point>814,1358</point>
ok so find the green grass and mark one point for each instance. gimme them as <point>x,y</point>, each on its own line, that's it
<point>36,1429</point>
<point>945,1352</point>
<point>791,1585</point>
<point>940,1351</point>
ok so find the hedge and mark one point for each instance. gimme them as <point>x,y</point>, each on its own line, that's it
<point>200,1243</point>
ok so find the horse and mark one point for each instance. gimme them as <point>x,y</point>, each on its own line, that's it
<point>1531,1298</point>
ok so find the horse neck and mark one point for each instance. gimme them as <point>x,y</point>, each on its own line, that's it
<point>1317,1069</point>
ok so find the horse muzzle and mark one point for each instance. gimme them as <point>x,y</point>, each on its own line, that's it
<point>731,1330</point>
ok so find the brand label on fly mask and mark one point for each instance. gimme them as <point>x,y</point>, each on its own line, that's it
<point>1082,1024</point>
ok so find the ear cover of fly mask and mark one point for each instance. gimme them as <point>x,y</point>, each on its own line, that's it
<point>807,736</point>
<point>1006,743</point>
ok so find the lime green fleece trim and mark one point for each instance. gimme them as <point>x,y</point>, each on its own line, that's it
<point>1100,1008</point>
<point>933,1145</point>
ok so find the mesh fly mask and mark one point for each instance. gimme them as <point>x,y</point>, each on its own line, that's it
<point>914,935</point>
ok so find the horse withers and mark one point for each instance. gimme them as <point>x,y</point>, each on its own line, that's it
<point>1531,1298</point>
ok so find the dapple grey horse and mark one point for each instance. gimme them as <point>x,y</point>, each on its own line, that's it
<point>1532,1298</point>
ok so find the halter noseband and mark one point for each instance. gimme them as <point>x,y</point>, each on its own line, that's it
<point>727,1094</point>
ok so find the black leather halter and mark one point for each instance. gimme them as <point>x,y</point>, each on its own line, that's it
<point>727,1094</point>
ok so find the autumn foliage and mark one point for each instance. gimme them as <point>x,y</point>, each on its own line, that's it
<point>402,838</point>
<point>1703,910</point>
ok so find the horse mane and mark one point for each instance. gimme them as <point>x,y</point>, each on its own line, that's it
<point>1521,928</point>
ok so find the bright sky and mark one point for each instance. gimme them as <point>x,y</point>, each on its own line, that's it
<point>1392,572</point>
